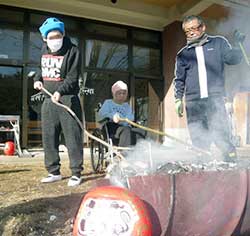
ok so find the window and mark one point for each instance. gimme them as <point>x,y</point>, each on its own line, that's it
<point>10,90</point>
<point>146,36</point>
<point>96,88</point>
<point>11,42</point>
<point>34,104</point>
<point>141,101</point>
<point>106,55</point>
<point>148,97</point>
<point>106,30</point>
<point>8,16</point>
<point>35,47</point>
<point>146,61</point>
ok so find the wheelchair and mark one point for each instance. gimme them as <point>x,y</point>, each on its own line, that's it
<point>101,155</point>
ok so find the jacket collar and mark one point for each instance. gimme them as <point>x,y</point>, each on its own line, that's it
<point>203,40</point>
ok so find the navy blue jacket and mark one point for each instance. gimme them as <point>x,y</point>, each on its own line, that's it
<point>217,51</point>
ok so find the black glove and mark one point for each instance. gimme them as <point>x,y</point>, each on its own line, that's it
<point>238,36</point>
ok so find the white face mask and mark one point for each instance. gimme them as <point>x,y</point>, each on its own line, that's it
<point>55,44</point>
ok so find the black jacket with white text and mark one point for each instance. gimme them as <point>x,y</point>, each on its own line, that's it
<point>60,70</point>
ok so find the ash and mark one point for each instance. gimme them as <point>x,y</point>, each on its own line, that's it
<point>179,167</point>
<point>150,159</point>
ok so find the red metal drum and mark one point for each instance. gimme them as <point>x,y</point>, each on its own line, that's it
<point>9,148</point>
<point>157,193</point>
<point>208,203</point>
<point>244,225</point>
<point>111,210</point>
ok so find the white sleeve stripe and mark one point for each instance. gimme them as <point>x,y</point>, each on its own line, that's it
<point>222,37</point>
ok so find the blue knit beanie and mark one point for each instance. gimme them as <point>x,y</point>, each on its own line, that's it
<point>51,24</point>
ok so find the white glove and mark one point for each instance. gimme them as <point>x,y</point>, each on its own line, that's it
<point>229,107</point>
<point>56,97</point>
<point>116,117</point>
<point>38,85</point>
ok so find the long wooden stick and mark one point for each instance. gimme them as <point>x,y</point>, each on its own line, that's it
<point>115,149</point>
<point>164,134</point>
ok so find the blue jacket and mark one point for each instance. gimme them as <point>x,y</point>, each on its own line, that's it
<point>110,108</point>
<point>199,71</point>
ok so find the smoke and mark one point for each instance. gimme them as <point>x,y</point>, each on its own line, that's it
<point>149,158</point>
<point>152,158</point>
<point>237,76</point>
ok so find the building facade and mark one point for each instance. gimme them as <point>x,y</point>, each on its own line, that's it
<point>135,41</point>
<point>109,53</point>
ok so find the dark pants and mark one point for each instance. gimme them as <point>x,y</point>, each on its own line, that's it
<point>56,120</point>
<point>208,122</point>
<point>124,136</point>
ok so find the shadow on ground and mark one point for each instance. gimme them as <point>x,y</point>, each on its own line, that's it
<point>44,216</point>
<point>13,171</point>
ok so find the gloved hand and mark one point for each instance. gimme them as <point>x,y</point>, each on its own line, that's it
<point>238,36</point>
<point>38,85</point>
<point>56,97</point>
<point>179,107</point>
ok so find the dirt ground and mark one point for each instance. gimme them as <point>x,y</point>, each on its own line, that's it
<point>30,208</point>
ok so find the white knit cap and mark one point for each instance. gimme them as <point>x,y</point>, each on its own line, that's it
<point>119,85</point>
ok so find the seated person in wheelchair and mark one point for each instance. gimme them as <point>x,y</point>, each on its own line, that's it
<point>121,131</point>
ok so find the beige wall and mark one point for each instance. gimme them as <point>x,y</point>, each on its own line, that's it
<point>240,116</point>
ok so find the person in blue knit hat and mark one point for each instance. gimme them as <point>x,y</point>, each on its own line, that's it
<point>59,74</point>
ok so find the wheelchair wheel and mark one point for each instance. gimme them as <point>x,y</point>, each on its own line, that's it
<point>97,151</point>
